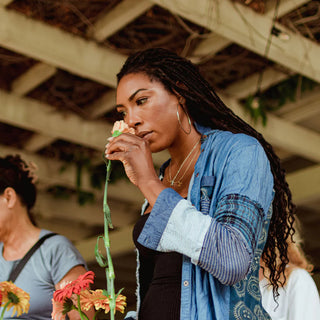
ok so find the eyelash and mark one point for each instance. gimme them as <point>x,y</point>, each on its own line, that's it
<point>141,101</point>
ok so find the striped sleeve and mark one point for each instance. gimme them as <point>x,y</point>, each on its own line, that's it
<point>220,246</point>
<point>232,236</point>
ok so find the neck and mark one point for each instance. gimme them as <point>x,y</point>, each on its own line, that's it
<point>180,150</point>
<point>21,235</point>
<point>179,172</point>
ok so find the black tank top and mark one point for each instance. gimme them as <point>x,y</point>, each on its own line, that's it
<point>160,280</point>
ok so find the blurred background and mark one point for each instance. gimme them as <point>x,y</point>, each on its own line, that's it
<point>58,66</point>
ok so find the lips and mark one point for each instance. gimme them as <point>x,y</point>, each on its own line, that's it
<point>144,134</point>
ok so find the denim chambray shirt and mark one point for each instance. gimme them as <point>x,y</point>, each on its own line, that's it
<point>220,229</point>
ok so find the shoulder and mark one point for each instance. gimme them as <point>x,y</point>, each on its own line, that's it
<point>57,245</point>
<point>59,255</point>
<point>228,141</point>
<point>54,241</point>
<point>299,277</point>
<point>303,294</point>
<point>236,140</point>
<point>300,283</point>
<point>214,138</point>
<point>226,146</point>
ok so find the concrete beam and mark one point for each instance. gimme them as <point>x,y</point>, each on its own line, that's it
<point>115,19</point>
<point>250,30</point>
<point>73,54</point>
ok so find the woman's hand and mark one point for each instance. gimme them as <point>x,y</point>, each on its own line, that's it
<point>135,155</point>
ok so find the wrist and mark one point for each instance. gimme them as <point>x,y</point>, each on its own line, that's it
<point>151,189</point>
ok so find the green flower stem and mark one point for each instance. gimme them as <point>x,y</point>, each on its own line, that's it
<point>106,209</point>
<point>108,265</point>
<point>82,315</point>
<point>4,310</point>
<point>110,275</point>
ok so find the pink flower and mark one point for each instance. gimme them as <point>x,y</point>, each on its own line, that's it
<point>76,286</point>
<point>122,127</point>
<point>57,309</point>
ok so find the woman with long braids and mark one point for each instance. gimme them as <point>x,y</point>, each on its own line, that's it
<point>55,263</point>
<point>219,203</point>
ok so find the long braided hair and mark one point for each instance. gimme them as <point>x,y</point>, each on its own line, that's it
<point>179,75</point>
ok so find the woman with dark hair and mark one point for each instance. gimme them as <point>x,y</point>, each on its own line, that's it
<point>221,201</point>
<point>53,264</point>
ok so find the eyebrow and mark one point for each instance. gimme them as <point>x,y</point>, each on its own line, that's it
<point>131,97</point>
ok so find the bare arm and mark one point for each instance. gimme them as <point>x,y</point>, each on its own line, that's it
<point>73,274</point>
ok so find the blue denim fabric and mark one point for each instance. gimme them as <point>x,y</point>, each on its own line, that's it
<point>220,229</point>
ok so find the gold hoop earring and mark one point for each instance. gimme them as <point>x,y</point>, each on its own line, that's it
<point>189,121</point>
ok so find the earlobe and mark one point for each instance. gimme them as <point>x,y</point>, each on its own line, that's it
<point>182,101</point>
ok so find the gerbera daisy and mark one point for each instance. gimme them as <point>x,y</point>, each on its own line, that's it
<point>96,298</point>
<point>57,310</point>
<point>76,286</point>
<point>14,297</point>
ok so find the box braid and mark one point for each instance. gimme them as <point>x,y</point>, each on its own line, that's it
<point>180,76</point>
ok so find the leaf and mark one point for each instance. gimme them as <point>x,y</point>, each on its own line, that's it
<point>119,292</point>
<point>116,133</point>
<point>102,261</point>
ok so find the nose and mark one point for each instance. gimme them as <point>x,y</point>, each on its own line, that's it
<point>132,119</point>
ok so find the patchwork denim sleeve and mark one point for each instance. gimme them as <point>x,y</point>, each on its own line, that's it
<point>245,196</point>
<point>175,225</point>
<point>227,249</point>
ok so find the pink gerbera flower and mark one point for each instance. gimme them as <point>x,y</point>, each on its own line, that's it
<point>76,286</point>
<point>57,310</point>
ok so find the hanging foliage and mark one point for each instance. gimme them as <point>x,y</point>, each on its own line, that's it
<point>275,97</point>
